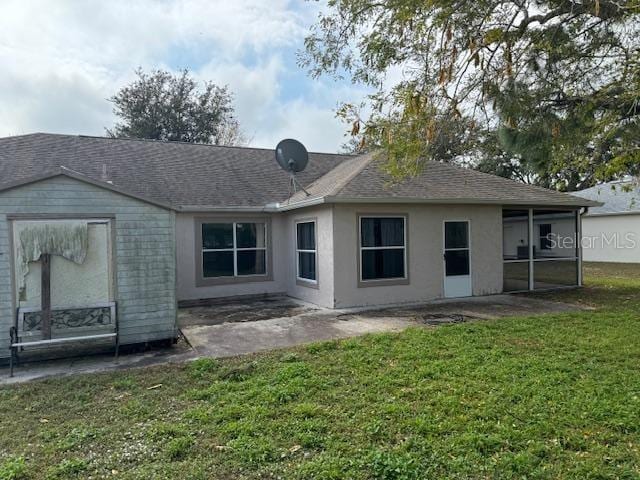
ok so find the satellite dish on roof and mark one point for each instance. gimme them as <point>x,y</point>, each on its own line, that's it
<point>291,155</point>
<point>293,158</point>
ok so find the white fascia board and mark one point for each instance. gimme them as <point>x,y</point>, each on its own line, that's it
<point>239,209</point>
<point>455,201</point>
<point>284,207</point>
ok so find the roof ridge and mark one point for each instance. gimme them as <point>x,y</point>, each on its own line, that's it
<point>366,159</point>
<point>167,142</point>
<point>345,173</point>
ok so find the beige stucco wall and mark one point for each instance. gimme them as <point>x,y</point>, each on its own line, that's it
<point>187,256</point>
<point>283,258</point>
<point>322,293</point>
<point>338,255</point>
<point>614,238</point>
<point>425,256</point>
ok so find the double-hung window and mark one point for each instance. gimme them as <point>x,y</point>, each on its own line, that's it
<point>234,249</point>
<point>383,248</point>
<point>306,251</point>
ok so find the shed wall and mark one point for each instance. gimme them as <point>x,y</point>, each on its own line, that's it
<point>144,250</point>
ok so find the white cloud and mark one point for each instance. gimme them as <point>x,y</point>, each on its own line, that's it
<point>255,88</point>
<point>316,127</point>
<point>266,118</point>
<point>62,60</point>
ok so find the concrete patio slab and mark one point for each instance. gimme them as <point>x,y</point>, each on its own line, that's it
<point>251,327</point>
<point>230,339</point>
<point>233,339</point>
<point>487,307</point>
<point>216,312</point>
<point>33,370</point>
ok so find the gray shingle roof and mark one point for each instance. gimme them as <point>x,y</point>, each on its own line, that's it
<point>438,182</point>
<point>204,176</point>
<point>176,173</point>
<point>619,197</point>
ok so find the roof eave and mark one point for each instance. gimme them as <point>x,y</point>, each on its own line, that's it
<point>458,201</point>
<point>285,206</point>
<point>613,214</point>
<point>268,208</point>
<point>228,208</point>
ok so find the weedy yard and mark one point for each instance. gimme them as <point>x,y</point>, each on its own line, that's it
<point>554,396</point>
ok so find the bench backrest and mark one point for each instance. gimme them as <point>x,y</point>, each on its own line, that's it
<point>68,321</point>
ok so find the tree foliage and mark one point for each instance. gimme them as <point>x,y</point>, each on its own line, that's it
<point>162,106</point>
<point>546,91</point>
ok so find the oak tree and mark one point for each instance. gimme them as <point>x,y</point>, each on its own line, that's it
<point>163,106</point>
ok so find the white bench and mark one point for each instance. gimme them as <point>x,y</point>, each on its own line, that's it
<point>61,334</point>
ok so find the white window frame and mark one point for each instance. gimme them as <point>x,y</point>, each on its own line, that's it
<point>235,250</point>
<point>299,251</point>
<point>403,248</point>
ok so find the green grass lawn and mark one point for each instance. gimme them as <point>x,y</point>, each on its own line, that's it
<point>555,396</point>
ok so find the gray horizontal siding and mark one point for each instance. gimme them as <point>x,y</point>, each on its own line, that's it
<point>6,310</point>
<point>144,251</point>
<point>151,307</point>
<point>149,336</point>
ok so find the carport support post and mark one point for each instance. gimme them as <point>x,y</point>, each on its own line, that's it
<point>579,245</point>
<point>531,273</point>
<point>45,295</point>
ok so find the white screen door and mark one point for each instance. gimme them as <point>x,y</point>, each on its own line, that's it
<point>457,264</point>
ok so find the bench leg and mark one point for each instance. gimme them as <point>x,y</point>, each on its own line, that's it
<point>13,335</point>
<point>13,353</point>
<point>117,346</point>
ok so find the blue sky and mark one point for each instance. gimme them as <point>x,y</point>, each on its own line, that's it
<point>62,59</point>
